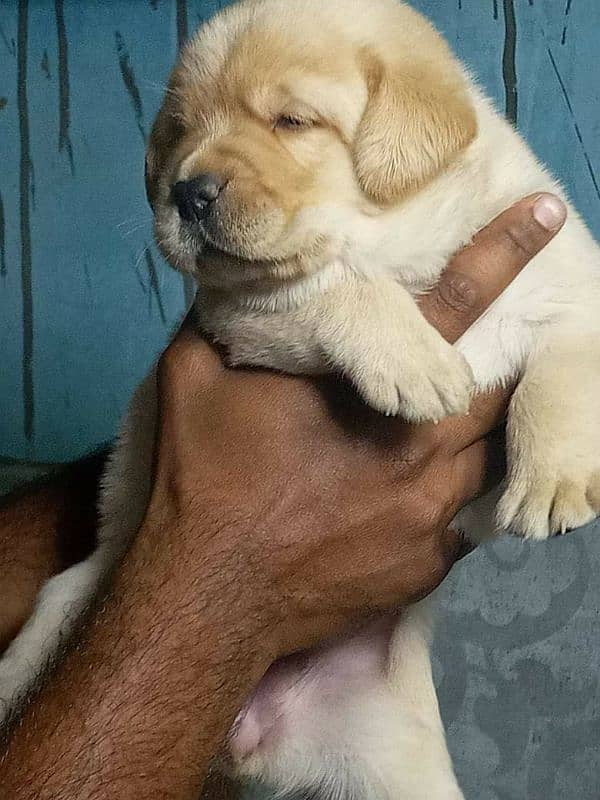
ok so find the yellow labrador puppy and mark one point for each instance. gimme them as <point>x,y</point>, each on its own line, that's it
<point>314,166</point>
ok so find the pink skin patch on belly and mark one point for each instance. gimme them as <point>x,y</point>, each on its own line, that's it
<point>297,691</point>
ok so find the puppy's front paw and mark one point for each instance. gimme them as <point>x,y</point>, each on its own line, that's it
<point>420,384</point>
<point>539,507</point>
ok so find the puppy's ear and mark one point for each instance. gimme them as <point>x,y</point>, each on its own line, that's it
<point>418,118</point>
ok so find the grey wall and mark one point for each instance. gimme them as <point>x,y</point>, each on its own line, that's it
<point>86,303</point>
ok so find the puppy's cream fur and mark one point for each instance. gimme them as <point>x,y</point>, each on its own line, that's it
<point>359,157</point>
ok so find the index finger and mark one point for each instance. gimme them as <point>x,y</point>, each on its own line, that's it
<point>483,269</point>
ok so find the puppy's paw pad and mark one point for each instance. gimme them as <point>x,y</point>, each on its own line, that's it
<point>381,393</point>
<point>443,388</point>
<point>523,513</point>
<point>437,386</point>
<point>544,508</point>
<point>571,508</point>
<point>593,492</point>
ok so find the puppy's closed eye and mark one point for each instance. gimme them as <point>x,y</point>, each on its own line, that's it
<point>294,122</point>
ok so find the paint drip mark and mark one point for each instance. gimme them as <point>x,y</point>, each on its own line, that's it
<point>460,5</point>
<point>25,223</point>
<point>189,290</point>
<point>3,103</point>
<point>130,83</point>
<point>32,182</point>
<point>578,133</point>
<point>86,275</point>
<point>495,4</point>
<point>563,38</point>
<point>9,44</point>
<point>509,69</point>
<point>182,23</point>
<point>154,284</point>
<point>64,108</point>
<point>2,239</point>
<point>45,65</point>
<point>154,4</point>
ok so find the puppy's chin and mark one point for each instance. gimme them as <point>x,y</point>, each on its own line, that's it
<point>216,269</point>
<point>222,258</point>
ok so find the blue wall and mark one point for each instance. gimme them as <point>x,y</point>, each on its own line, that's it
<point>86,303</point>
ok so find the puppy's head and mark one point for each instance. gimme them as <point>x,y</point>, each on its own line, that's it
<point>286,121</point>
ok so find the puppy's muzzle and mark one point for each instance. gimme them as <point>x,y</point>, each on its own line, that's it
<point>195,197</point>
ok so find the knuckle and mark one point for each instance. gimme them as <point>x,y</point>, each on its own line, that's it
<point>438,512</point>
<point>429,510</point>
<point>166,364</point>
<point>458,293</point>
<point>173,361</point>
<point>521,241</point>
<point>414,455</point>
<point>181,364</point>
<point>167,375</point>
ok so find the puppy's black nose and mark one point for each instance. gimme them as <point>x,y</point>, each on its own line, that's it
<point>194,196</point>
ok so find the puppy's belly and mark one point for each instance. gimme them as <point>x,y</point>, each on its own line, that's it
<point>351,719</point>
<point>306,695</point>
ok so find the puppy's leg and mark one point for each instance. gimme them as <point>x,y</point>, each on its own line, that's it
<point>553,439</point>
<point>416,764</point>
<point>374,333</point>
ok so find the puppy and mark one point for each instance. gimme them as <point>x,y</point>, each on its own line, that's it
<point>314,166</point>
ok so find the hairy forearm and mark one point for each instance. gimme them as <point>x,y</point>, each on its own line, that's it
<point>44,528</point>
<point>141,705</point>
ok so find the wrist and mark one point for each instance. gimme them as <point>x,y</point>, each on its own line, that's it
<point>256,539</point>
<point>160,673</point>
<point>200,548</point>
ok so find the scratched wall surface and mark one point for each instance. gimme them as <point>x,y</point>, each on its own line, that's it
<point>86,303</point>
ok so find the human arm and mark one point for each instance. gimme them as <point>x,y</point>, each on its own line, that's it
<point>45,527</point>
<point>305,520</point>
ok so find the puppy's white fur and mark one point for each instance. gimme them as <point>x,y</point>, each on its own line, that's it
<point>339,295</point>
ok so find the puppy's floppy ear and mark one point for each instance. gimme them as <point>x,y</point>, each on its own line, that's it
<point>418,118</point>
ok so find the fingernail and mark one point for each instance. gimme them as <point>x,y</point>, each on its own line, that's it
<point>550,212</point>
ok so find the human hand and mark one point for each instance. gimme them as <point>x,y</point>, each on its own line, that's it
<point>320,510</point>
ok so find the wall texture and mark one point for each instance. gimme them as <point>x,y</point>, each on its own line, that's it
<point>86,303</point>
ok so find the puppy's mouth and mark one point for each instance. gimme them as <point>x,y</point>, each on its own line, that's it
<point>230,248</point>
<point>213,249</point>
<point>247,242</point>
<point>219,268</point>
<point>209,250</point>
<point>211,253</point>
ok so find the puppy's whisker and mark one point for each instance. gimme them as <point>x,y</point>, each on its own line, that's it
<point>139,258</point>
<point>134,228</point>
<point>158,87</point>
<point>162,90</point>
<point>132,225</point>
<point>133,218</point>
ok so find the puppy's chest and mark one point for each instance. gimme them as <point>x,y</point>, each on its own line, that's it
<point>281,338</point>
<point>291,336</point>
